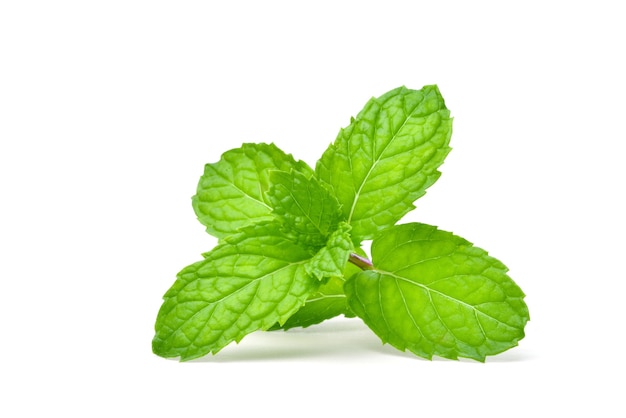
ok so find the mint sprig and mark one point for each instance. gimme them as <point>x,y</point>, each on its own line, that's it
<point>289,245</point>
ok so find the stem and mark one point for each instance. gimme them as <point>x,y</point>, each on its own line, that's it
<point>361,262</point>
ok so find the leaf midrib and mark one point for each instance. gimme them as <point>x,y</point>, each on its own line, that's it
<point>215,302</point>
<point>307,213</point>
<point>430,290</point>
<point>378,159</point>
<point>243,192</point>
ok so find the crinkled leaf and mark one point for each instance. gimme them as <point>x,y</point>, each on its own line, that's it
<point>330,260</point>
<point>387,157</point>
<point>434,293</point>
<point>250,282</point>
<point>231,192</point>
<point>327,302</point>
<point>309,212</point>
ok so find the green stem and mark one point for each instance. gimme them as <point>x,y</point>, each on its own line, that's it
<point>361,262</point>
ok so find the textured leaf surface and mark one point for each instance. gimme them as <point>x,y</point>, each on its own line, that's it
<point>308,210</point>
<point>387,157</point>
<point>433,293</point>
<point>330,260</point>
<point>231,192</point>
<point>250,282</point>
<point>327,302</point>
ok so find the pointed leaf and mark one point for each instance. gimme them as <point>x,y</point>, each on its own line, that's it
<point>309,212</point>
<point>327,302</point>
<point>387,157</point>
<point>248,283</point>
<point>330,260</point>
<point>231,192</point>
<point>433,293</point>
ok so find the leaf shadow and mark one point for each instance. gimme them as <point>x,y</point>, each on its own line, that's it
<point>514,355</point>
<point>340,339</point>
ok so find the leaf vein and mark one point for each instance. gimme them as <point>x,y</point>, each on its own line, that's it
<point>447,297</point>
<point>406,307</point>
<point>375,163</point>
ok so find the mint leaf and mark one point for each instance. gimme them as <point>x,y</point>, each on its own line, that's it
<point>231,192</point>
<point>329,265</point>
<point>434,293</point>
<point>327,302</point>
<point>330,260</point>
<point>250,282</point>
<point>307,209</point>
<point>387,157</point>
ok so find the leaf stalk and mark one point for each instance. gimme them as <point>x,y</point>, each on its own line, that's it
<point>361,262</point>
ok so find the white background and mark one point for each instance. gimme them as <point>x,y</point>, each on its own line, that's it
<point>109,111</point>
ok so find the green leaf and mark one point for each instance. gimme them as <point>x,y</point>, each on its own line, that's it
<point>286,253</point>
<point>331,259</point>
<point>231,192</point>
<point>327,302</point>
<point>434,293</point>
<point>309,212</point>
<point>250,282</point>
<point>387,157</point>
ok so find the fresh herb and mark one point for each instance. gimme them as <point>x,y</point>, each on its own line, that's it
<point>289,251</point>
